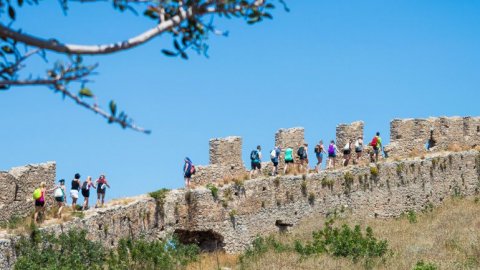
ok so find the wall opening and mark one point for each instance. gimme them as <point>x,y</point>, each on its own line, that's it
<point>282,226</point>
<point>208,241</point>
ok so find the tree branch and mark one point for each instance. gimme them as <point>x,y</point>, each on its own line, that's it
<point>54,45</point>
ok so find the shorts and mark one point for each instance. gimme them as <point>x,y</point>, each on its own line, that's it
<point>74,194</point>
<point>330,155</point>
<point>256,165</point>
<point>39,203</point>
<point>275,162</point>
<point>346,152</point>
<point>86,193</point>
<point>375,150</point>
<point>319,155</point>
<point>101,191</point>
<point>289,161</point>
<point>59,199</point>
<point>358,150</point>
<point>304,160</point>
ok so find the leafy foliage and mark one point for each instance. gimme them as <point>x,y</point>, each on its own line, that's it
<point>421,265</point>
<point>213,189</point>
<point>344,242</point>
<point>73,250</point>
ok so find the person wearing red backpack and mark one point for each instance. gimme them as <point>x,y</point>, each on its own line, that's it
<point>188,171</point>
<point>376,144</point>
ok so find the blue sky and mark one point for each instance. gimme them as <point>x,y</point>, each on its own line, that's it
<point>324,63</point>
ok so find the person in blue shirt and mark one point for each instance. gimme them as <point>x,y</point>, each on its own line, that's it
<point>275,157</point>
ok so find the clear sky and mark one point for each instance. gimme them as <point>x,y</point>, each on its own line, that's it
<point>324,63</point>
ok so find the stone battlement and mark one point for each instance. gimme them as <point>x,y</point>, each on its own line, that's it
<point>407,137</point>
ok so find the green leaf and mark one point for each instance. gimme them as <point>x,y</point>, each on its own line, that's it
<point>267,15</point>
<point>85,92</point>
<point>113,107</point>
<point>176,45</point>
<point>269,5</point>
<point>7,49</point>
<point>169,53</point>
<point>184,55</point>
<point>11,12</point>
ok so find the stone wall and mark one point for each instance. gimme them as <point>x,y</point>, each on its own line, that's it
<point>411,135</point>
<point>244,210</point>
<point>289,137</point>
<point>225,161</point>
<point>17,186</point>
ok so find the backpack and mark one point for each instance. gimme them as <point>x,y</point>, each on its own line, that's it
<point>374,142</point>
<point>254,155</point>
<point>273,154</point>
<point>85,186</point>
<point>192,169</point>
<point>317,149</point>
<point>301,152</point>
<point>331,149</point>
<point>58,193</point>
<point>37,194</point>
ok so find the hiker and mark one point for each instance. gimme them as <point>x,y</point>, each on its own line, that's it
<point>431,142</point>
<point>319,151</point>
<point>358,150</point>
<point>347,152</point>
<point>302,153</point>
<point>86,191</point>
<point>60,196</point>
<point>376,144</point>
<point>256,158</point>
<point>188,171</point>
<point>39,197</point>
<point>288,159</point>
<point>275,157</point>
<point>74,190</point>
<point>332,154</point>
<point>102,185</point>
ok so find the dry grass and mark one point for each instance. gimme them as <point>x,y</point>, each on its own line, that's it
<point>455,147</point>
<point>123,201</point>
<point>447,236</point>
<point>216,260</point>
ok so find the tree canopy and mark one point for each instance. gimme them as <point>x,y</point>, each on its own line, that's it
<point>187,22</point>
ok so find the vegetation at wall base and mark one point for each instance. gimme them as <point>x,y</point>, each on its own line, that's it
<point>72,250</point>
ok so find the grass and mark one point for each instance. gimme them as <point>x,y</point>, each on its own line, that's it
<point>445,236</point>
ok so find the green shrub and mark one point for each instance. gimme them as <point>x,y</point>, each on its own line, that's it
<point>311,198</point>
<point>259,247</point>
<point>72,250</point>
<point>344,242</point>
<point>421,265</point>
<point>374,171</point>
<point>303,187</point>
<point>213,189</point>
<point>13,223</point>
<point>412,216</point>
<point>159,195</point>
<point>326,182</point>
<point>400,168</point>
<point>276,181</point>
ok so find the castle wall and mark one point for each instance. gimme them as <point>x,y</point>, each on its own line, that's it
<point>411,135</point>
<point>17,186</point>
<point>289,137</point>
<point>244,210</point>
<point>225,161</point>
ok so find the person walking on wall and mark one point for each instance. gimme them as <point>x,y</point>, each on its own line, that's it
<point>358,150</point>
<point>39,197</point>
<point>188,171</point>
<point>303,156</point>
<point>319,151</point>
<point>288,159</point>
<point>376,144</point>
<point>86,191</point>
<point>60,197</point>
<point>347,152</point>
<point>275,157</point>
<point>332,154</point>
<point>431,142</point>
<point>256,159</point>
<point>102,185</point>
<point>75,187</point>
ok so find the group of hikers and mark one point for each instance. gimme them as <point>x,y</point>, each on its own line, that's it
<point>301,159</point>
<point>59,193</point>
<point>302,156</point>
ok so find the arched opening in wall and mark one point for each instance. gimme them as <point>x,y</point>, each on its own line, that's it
<point>283,226</point>
<point>208,240</point>
<point>16,193</point>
